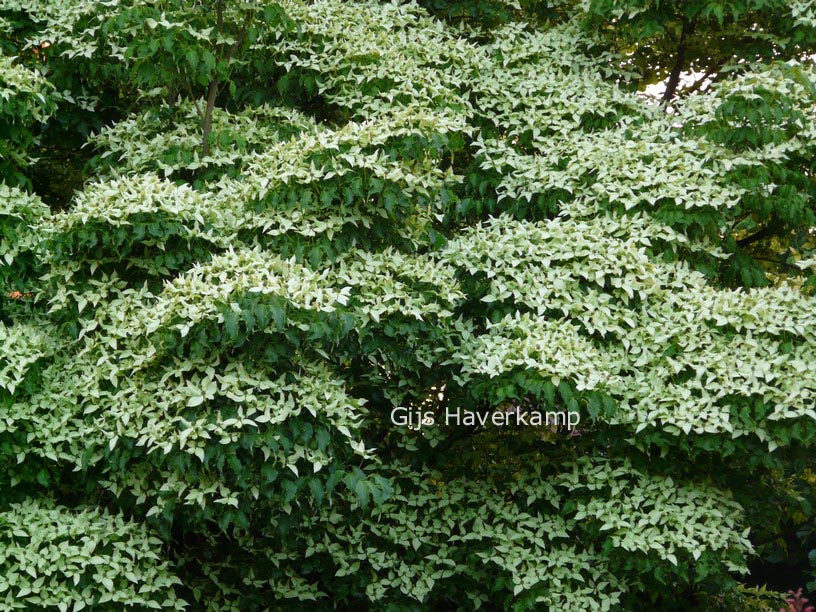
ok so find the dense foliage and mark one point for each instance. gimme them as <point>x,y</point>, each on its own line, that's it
<point>300,216</point>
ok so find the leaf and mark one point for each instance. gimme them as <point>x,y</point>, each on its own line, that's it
<point>195,400</point>
<point>361,490</point>
<point>192,58</point>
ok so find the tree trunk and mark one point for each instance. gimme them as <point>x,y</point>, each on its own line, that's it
<point>212,90</point>
<point>679,64</point>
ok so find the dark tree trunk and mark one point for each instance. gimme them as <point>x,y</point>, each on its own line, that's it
<point>679,64</point>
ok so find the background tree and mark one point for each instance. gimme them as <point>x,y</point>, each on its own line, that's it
<point>665,40</point>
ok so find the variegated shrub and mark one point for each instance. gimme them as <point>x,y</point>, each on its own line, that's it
<point>201,352</point>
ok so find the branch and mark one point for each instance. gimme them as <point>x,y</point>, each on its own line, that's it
<point>782,534</point>
<point>778,262</point>
<point>768,230</point>
<point>709,73</point>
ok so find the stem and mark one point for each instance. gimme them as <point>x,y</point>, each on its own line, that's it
<point>206,125</point>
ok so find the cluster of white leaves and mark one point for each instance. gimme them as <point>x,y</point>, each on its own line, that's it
<point>26,99</point>
<point>55,558</point>
<point>16,80</point>
<point>545,82</point>
<point>354,147</point>
<point>684,521</point>
<point>30,344</point>
<point>609,167</point>
<point>23,211</point>
<point>112,383</point>
<point>269,164</point>
<point>520,532</point>
<point>112,202</point>
<point>391,47</point>
<point>76,25</point>
<point>579,279</point>
<point>145,142</point>
<point>389,282</point>
<point>804,12</point>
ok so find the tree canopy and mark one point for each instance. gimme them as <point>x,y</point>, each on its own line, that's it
<point>296,217</point>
